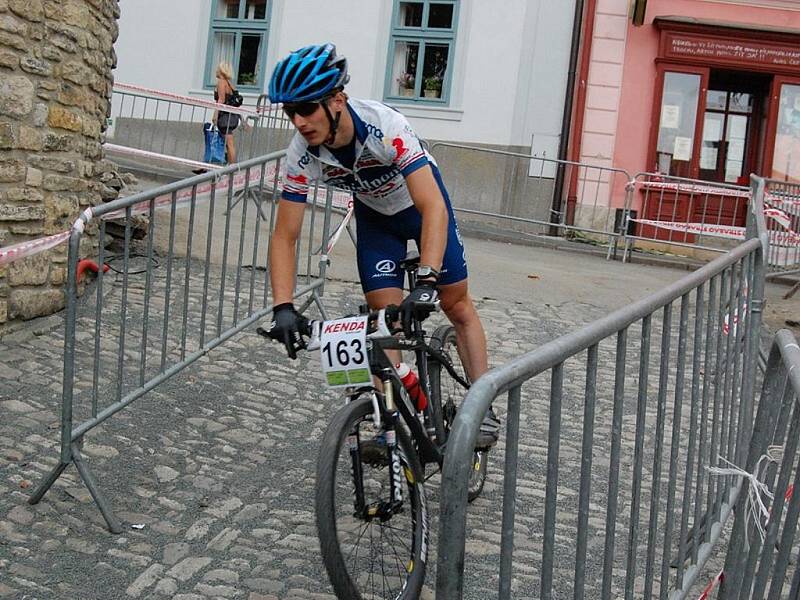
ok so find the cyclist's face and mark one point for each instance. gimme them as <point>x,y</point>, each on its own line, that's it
<point>310,119</point>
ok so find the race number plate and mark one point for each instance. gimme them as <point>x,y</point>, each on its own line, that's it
<point>343,351</point>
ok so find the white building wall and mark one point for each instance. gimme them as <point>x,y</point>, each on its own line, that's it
<point>162,44</point>
<point>510,64</point>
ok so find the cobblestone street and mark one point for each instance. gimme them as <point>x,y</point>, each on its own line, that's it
<point>212,473</point>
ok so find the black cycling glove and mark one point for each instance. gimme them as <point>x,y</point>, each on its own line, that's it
<point>286,327</point>
<point>424,291</point>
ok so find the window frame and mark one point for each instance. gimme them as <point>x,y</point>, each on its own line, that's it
<point>422,35</point>
<point>772,120</point>
<point>239,28</point>
<point>662,69</point>
<point>751,138</point>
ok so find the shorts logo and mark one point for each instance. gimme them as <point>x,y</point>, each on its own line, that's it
<point>385,266</point>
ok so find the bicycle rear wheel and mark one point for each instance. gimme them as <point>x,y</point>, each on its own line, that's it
<point>446,397</point>
<point>375,548</point>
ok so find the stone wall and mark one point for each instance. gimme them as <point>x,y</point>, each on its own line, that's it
<point>56,58</point>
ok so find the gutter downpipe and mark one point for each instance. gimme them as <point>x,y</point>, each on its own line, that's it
<point>580,110</point>
<point>563,144</point>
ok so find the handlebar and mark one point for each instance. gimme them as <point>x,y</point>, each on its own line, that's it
<point>380,324</point>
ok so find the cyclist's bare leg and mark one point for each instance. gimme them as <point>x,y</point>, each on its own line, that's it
<point>470,337</point>
<point>382,298</point>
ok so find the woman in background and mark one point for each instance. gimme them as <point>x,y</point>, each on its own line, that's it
<point>226,122</point>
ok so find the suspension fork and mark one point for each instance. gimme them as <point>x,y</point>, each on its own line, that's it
<point>396,476</point>
<point>385,405</point>
<point>354,445</point>
<point>356,472</point>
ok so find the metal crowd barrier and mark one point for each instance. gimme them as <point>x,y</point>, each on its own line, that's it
<point>763,564</point>
<point>784,252</point>
<point>643,524</point>
<point>687,213</point>
<point>517,190</point>
<point>169,125</point>
<point>189,268</point>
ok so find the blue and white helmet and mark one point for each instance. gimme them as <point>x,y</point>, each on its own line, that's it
<point>308,74</point>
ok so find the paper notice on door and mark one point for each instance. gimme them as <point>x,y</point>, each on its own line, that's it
<point>670,116</point>
<point>708,158</point>
<point>712,130</point>
<point>682,149</point>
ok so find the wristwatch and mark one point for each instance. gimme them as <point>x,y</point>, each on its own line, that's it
<point>427,272</point>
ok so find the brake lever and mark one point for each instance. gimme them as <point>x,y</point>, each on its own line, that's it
<point>313,333</point>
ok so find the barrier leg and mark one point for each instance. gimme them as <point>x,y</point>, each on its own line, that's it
<point>612,247</point>
<point>114,525</point>
<point>47,483</point>
<point>245,195</point>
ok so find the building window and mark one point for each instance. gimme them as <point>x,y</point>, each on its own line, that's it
<point>421,50</point>
<point>786,161</point>
<point>676,131</point>
<point>238,35</point>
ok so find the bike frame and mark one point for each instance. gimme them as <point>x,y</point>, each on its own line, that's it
<point>428,449</point>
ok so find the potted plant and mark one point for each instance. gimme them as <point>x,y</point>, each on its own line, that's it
<point>433,86</point>
<point>405,83</point>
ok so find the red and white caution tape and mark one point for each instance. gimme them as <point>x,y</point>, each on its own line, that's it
<point>9,254</point>
<point>782,201</point>
<point>724,231</point>
<point>781,238</point>
<point>692,188</point>
<point>126,151</point>
<point>337,234</point>
<point>710,587</point>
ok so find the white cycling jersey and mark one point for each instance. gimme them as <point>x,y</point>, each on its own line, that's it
<point>386,151</point>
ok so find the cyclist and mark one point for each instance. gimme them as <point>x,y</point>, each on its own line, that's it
<point>370,149</point>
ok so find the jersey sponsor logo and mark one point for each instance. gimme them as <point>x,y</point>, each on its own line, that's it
<point>336,172</point>
<point>301,179</point>
<point>374,130</point>
<point>372,162</point>
<point>346,183</point>
<point>372,185</point>
<point>399,147</point>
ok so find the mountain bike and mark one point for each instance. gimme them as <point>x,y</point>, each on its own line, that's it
<point>371,508</point>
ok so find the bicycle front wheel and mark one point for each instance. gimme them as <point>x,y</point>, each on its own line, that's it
<point>373,543</point>
<point>446,397</point>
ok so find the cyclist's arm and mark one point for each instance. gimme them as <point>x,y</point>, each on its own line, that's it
<point>428,199</point>
<point>282,250</point>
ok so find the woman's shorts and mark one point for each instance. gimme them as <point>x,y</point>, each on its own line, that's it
<point>227,122</point>
<point>383,240</point>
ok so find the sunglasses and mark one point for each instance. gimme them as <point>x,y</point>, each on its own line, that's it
<point>304,109</point>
